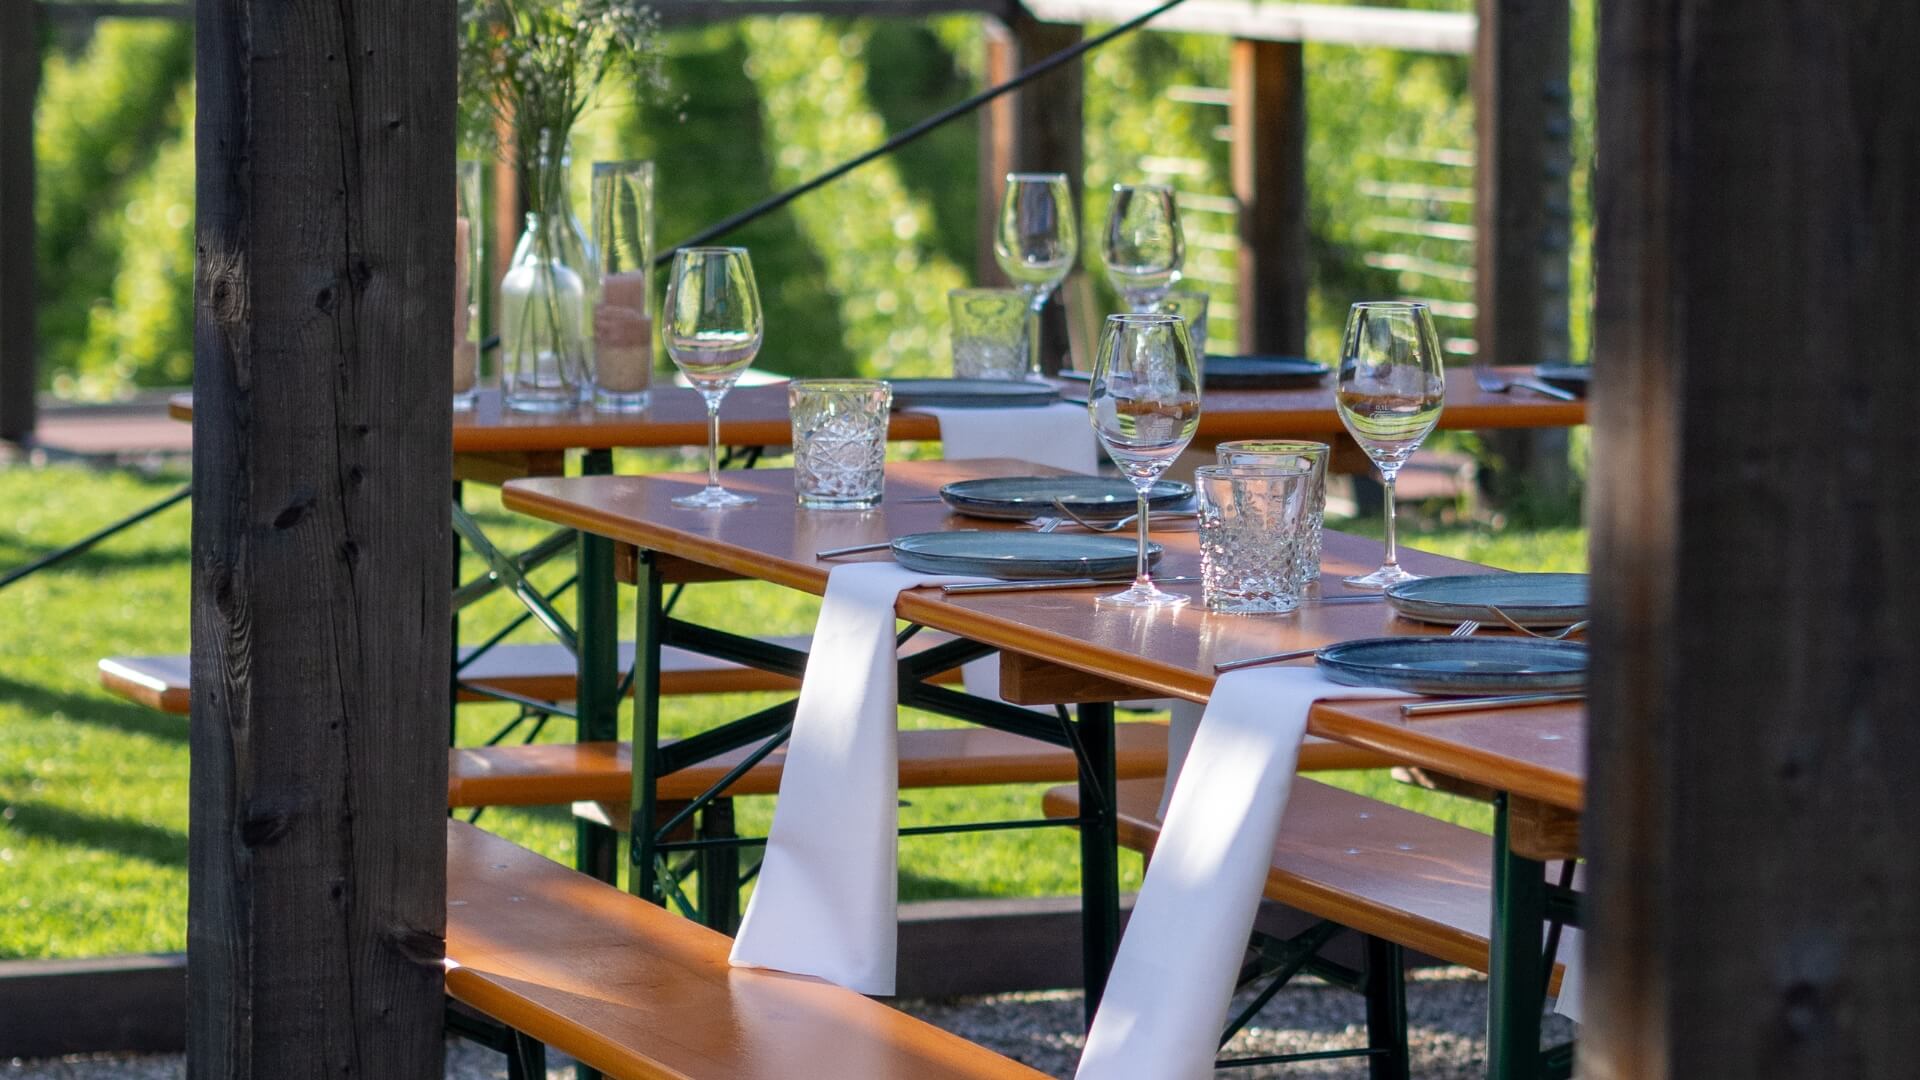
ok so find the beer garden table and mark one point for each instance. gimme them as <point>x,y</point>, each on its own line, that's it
<point>1057,647</point>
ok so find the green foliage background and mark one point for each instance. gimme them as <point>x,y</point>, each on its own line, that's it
<point>855,274</point>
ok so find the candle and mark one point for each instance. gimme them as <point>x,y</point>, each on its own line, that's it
<point>462,290</point>
<point>622,348</point>
<point>466,365</point>
<point>625,289</point>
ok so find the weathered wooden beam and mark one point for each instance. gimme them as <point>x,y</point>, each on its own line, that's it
<point>321,540</point>
<point>1268,113</point>
<point>19,344</point>
<point>1754,840</point>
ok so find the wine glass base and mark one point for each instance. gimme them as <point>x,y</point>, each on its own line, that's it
<point>714,498</point>
<point>1382,578</point>
<point>1143,596</point>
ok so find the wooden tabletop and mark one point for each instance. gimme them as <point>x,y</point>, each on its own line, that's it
<point>757,416</point>
<point>1533,752</point>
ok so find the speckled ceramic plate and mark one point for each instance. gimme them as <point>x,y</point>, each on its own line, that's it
<point>1096,498</point>
<point>1262,372</point>
<point>1528,599</point>
<point>971,393</point>
<point>1019,556</point>
<point>1448,665</point>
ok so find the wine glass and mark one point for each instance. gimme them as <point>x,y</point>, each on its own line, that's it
<point>1390,392</point>
<point>1143,246</point>
<point>1144,400</point>
<point>712,328</point>
<point>1036,241</point>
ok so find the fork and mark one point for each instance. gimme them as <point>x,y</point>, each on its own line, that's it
<point>1113,526</point>
<point>1465,629</point>
<point>1514,624</point>
<point>1494,384</point>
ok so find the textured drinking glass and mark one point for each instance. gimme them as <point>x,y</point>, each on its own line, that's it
<point>989,333</point>
<point>1143,246</point>
<point>1389,396</point>
<point>1252,525</point>
<point>623,314</point>
<point>839,441</point>
<point>713,328</point>
<point>1036,240</point>
<point>469,226</point>
<point>1288,453</point>
<point>1143,398</point>
<point>1191,306</point>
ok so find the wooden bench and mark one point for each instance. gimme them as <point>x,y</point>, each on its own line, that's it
<point>544,672</point>
<point>1384,871</point>
<point>636,992</point>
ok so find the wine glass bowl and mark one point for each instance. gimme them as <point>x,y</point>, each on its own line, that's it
<point>712,328</point>
<point>1036,239</point>
<point>1143,246</point>
<point>1390,391</point>
<point>1143,398</point>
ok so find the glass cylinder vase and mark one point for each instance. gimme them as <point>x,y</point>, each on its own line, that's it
<point>545,298</point>
<point>469,229</point>
<point>623,311</point>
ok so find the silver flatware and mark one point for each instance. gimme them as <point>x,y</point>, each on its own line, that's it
<point>1508,701</point>
<point>1357,598</point>
<point>1257,661</point>
<point>1115,526</point>
<point>1465,629</point>
<point>1063,583</point>
<point>1563,632</point>
<point>834,553</point>
<point>1487,381</point>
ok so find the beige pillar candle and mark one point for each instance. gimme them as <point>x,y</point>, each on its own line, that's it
<point>622,349</point>
<point>625,289</point>
<point>462,304</point>
<point>466,365</point>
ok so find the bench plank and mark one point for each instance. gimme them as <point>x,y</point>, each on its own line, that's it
<point>1408,878</point>
<point>639,993</point>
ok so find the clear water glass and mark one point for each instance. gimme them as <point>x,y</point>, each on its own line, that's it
<point>1389,395</point>
<point>1191,305</point>
<point>623,312</point>
<point>1253,522</point>
<point>713,328</point>
<point>1143,398</point>
<point>1143,246</point>
<point>839,441</point>
<point>1291,453</point>
<point>1036,240</point>
<point>989,333</point>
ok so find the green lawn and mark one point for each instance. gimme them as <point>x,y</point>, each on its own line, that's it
<point>93,821</point>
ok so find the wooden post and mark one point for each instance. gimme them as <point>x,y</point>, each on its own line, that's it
<point>1037,128</point>
<point>1754,839</point>
<point>1523,218</point>
<point>1269,118</point>
<point>19,347</point>
<point>322,462</point>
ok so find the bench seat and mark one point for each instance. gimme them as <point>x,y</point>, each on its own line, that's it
<point>555,773</point>
<point>639,993</point>
<point>1382,870</point>
<point>544,672</point>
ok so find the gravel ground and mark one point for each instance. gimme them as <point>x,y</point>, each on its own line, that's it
<point>1447,1009</point>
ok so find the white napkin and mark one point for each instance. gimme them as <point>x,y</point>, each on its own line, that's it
<point>1167,998</point>
<point>827,900</point>
<point>1059,435</point>
<point>1572,1002</point>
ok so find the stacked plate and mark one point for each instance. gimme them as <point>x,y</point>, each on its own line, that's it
<point>1095,498</point>
<point>1019,556</point>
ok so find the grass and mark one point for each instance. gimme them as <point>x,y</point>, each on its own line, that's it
<point>93,815</point>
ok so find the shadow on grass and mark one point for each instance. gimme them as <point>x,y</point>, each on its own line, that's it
<point>129,838</point>
<point>916,887</point>
<point>92,708</point>
<point>15,552</point>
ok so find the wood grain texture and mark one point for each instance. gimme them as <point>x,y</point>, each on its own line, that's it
<point>1267,81</point>
<point>19,343</point>
<point>1755,882</point>
<point>640,993</point>
<point>320,537</point>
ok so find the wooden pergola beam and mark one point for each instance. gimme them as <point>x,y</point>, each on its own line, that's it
<point>1753,831</point>
<point>19,344</point>
<point>322,462</point>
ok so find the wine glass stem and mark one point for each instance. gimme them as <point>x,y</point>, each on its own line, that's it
<point>1393,547</point>
<point>1142,577</point>
<point>1033,333</point>
<point>713,444</point>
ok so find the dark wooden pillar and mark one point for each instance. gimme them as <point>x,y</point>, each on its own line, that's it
<point>1269,118</point>
<point>19,346</point>
<point>1037,128</point>
<point>322,461</point>
<point>1754,836</point>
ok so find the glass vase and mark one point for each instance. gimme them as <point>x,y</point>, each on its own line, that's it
<point>546,297</point>
<point>623,310</point>
<point>468,259</point>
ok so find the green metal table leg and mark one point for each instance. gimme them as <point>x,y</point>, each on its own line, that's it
<point>719,869</point>
<point>642,880</point>
<point>1099,852</point>
<point>1387,1011</point>
<point>1517,967</point>
<point>599,679</point>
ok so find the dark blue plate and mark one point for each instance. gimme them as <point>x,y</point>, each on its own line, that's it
<point>1096,498</point>
<point>971,393</point>
<point>1528,599</point>
<point>1019,556</point>
<point>1574,377</point>
<point>1449,665</point>
<point>1262,372</point>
